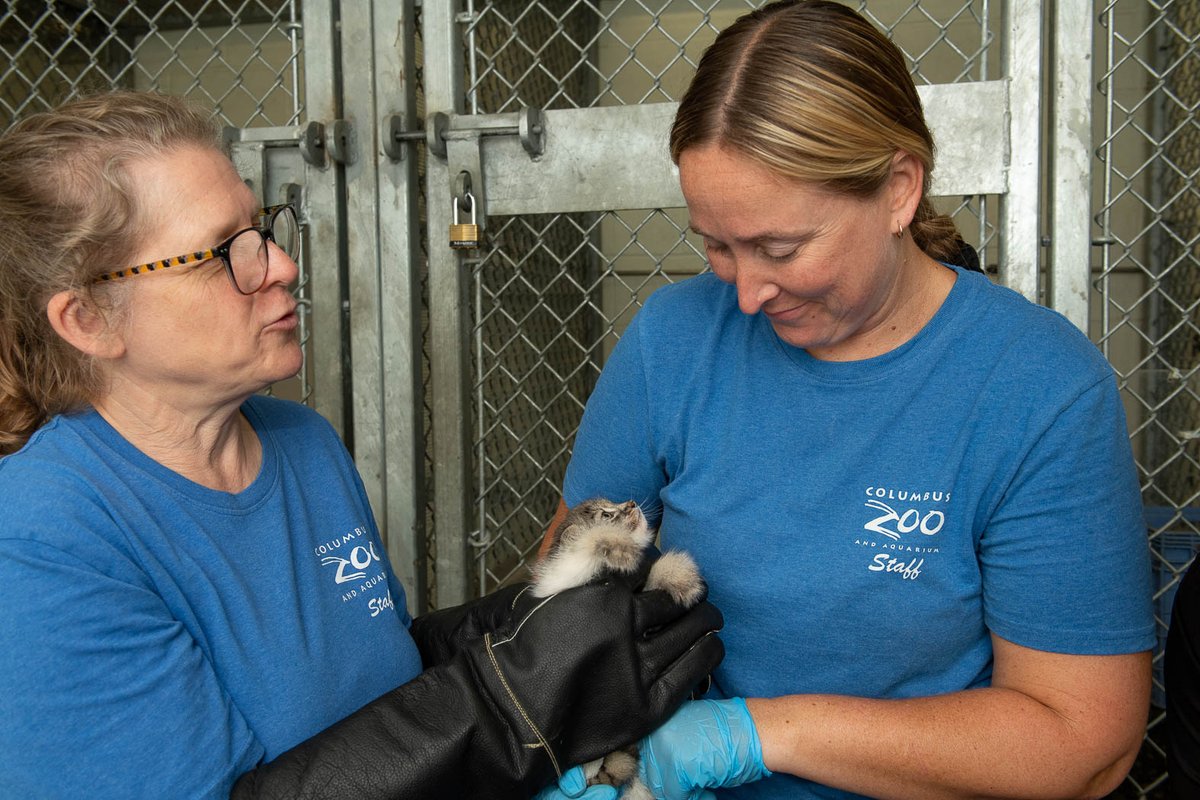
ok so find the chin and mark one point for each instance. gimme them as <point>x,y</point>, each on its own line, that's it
<point>285,366</point>
<point>801,337</point>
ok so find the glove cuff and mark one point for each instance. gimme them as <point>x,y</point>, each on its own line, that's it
<point>741,725</point>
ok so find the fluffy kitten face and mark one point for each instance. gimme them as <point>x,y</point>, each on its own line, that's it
<point>598,512</point>
<point>596,536</point>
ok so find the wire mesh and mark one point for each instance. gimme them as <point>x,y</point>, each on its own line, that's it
<point>1147,287</point>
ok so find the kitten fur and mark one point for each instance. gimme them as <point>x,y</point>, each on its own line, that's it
<point>598,536</point>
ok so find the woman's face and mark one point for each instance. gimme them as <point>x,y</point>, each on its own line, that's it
<point>189,336</point>
<point>823,267</point>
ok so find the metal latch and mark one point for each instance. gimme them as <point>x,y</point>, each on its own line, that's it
<point>320,143</point>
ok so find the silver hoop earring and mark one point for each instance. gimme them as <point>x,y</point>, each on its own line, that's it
<point>899,230</point>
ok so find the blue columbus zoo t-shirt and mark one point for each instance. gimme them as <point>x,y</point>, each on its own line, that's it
<point>159,638</point>
<point>864,525</point>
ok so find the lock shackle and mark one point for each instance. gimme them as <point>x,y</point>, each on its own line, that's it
<point>470,207</point>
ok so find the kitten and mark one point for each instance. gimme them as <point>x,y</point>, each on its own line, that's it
<point>598,536</point>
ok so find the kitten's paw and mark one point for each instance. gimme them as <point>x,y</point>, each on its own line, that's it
<point>616,550</point>
<point>620,767</point>
<point>677,574</point>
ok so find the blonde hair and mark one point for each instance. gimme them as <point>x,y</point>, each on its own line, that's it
<point>69,213</point>
<point>813,92</point>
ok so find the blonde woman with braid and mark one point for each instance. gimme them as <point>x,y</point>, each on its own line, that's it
<point>910,490</point>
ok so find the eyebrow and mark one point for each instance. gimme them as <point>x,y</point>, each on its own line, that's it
<point>799,238</point>
<point>227,231</point>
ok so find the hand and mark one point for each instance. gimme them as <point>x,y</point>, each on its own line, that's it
<point>573,786</point>
<point>443,633</point>
<point>707,744</point>
<point>593,668</point>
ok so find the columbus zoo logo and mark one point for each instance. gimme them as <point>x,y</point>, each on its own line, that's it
<point>902,528</point>
<point>358,570</point>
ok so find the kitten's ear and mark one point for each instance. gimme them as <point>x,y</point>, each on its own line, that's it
<point>564,532</point>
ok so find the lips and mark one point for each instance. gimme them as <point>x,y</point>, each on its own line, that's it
<point>785,314</point>
<point>287,320</point>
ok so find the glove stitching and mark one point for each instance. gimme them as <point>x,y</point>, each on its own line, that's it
<point>487,641</point>
<point>513,605</point>
<point>524,619</point>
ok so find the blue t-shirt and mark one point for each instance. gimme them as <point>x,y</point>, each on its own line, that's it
<point>864,525</point>
<point>159,638</point>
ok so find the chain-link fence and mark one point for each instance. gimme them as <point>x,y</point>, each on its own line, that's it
<point>1147,299</point>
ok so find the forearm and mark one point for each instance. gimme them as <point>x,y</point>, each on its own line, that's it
<point>427,739</point>
<point>988,742</point>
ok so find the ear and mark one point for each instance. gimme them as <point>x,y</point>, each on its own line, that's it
<point>905,186</point>
<point>83,326</point>
<point>567,534</point>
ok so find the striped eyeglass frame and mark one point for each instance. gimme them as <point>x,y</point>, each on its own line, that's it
<point>221,251</point>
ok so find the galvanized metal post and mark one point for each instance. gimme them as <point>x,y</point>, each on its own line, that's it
<point>362,231</point>
<point>448,318</point>
<point>383,287</point>
<point>400,294</point>
<point>1071,161</point>
<point>1020,239</point>
<point>323,215</point>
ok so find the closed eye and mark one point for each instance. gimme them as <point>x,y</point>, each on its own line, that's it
<point>777,256</point>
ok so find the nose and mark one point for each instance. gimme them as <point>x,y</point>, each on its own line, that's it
<point>281,268</point>
<point>754,288</point>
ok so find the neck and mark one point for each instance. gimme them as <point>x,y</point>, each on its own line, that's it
<point>214,447</point>
<point>921,287</point>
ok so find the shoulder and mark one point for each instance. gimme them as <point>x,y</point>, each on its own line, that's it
<point>302,438</point>
<point>49,464</point>
<point>1030,341</point>
<point>688,313</point>
<point>699,292</point>
<point>283,414</point>
<point>56,494</point>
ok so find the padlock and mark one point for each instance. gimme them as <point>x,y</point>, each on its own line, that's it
<point>464,235</point>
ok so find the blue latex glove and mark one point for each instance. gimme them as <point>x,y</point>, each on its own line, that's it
<point>573,786</point>
<point>706,744</point>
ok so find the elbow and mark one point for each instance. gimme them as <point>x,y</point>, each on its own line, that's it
<point>1109,767</point>
<point>1105,781</point>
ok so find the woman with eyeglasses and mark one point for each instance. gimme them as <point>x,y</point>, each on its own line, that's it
<point>194,597</point>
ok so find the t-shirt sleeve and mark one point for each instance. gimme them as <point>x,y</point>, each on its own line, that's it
<point>1064,557</point>
<point>104,703</point>
<point>615,455</point>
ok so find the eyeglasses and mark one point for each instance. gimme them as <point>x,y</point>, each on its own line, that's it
<point>244,254</point>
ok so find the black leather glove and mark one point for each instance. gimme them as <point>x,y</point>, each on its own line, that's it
<point>569,678</point>
<point>441,634</point>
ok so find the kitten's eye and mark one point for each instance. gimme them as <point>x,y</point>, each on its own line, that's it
<point>607,514</point>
